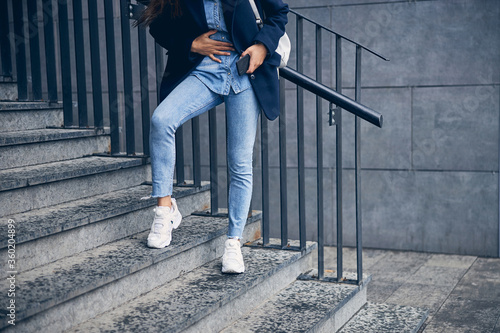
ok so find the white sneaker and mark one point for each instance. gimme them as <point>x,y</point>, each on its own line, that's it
<point>165,220</point>
<point>232,260</point>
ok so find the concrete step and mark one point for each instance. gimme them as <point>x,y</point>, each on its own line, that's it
<point>386,318</point>
<point>8,90</point>
<point>69,291</point>
<point>37,186</point>
<point>21,116</point>
<point>305,306</point>
<point>205,300</point>
<point>31,147</point>
<point>87,223</point>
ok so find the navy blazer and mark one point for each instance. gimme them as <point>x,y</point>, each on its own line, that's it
<point>177,34</point>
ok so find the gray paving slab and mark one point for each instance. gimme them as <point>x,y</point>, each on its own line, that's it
<point>477,288</point>
<point>44,287</point>
<point>437,276</point>
<point>465,316</point>
<point>450,287</point>
<point>380,290</point>
<point>179,304</point>
<point>378,318</point>
<point>450,260</point>
<point>421,295</point>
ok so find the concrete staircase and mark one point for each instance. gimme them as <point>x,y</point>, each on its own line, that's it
<point>81,220</point>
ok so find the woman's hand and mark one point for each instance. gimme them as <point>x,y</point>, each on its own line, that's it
<point>209,47</point>
<point>258,53</point>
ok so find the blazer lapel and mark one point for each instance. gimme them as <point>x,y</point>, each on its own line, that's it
<point>197,9</point>
<point>228,7</point>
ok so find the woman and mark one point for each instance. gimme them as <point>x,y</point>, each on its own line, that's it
<point>204,39</point>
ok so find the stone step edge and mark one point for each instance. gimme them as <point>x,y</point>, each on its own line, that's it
<point>412,318</point>
<point>7,105</point>
<point>61,224</point>
<point>154,256</point>
<point>204,311</point>
<point>323,306</point>
<point>33,136</point>
<point>38,174</point>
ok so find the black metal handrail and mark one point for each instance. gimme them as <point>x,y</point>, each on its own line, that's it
<point>122,109</point>
<point>332,96</point>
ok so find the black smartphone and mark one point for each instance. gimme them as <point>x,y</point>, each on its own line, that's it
<point>242,64</point>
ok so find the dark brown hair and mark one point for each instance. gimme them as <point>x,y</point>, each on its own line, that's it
<point>155,8</point>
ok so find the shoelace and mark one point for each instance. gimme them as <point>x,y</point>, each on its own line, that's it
<point>158,222</point>
<point>232,253</point>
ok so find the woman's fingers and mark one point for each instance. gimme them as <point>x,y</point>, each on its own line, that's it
<point>206,46</point>
<point>214,58</point>
<point>258,53</point>
<point>209,33</point>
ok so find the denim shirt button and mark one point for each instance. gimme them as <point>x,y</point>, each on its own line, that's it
<point>252,77</point>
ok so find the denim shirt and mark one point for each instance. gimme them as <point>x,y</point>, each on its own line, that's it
<point>220,78</point>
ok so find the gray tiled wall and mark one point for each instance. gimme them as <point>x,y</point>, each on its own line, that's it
<point>430,178</point>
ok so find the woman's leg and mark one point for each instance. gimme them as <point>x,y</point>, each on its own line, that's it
<point>189,99</point>
<point>242,116</point>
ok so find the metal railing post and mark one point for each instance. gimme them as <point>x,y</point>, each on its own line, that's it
<point>62,12</point>
<point>5,46</point>
<point>112,81</point>
<point>195,129</point>
<point>214,165</point>
<point>81,82</point>
<point>357,134</point>
<point>160,67</point>
<point>283,170</point>
<point>179,156</point>
<point>145,112</point>
<point>34,40</point>
<point>319,156</point>
<point>95,64</point>
<point>20,51</point>
<point>127,77</point>
<point>264,144</point>
<point>50,56</point>
<point>338,123</point>
<point>300,137</point>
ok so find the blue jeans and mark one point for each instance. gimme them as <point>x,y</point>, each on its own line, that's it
<point>190,99</point>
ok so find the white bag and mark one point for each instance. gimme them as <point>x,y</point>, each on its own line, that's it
<point>284,45</point>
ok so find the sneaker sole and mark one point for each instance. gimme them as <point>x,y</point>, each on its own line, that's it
<point>233,271</point>
<point>161,246</point>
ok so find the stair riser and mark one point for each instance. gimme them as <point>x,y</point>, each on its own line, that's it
<point>51,151</point>
<point>63,316</point>
<point>38,196</point>
<point>225,315</point>
<point>42,251</point>
<point>343,315</point>
<point>8,91</point>
<point>26,120</point>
